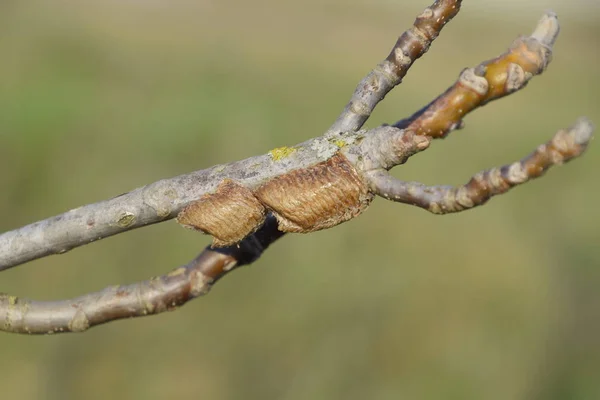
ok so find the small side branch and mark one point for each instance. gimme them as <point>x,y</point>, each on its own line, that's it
<point>154,296</point>
<point>490,80</point>
<point>410,46</point>
<point>564,146</point>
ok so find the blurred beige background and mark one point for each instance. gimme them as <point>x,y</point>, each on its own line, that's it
<point>502,302</point>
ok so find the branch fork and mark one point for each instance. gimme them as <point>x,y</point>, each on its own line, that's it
<point>247,205</point>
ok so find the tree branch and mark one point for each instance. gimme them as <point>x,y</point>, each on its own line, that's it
<point>157,202</point>
<point>490,80</point>
<point>166,198</point>
<point>564,146</point>
<point>154,296</point>
<point>411,45</point>
<point>314,185</point>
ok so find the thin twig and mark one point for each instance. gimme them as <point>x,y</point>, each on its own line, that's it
<point>490,80</point>
<point>411,45</point>
<point>154,296</point>
<point>563,147</point>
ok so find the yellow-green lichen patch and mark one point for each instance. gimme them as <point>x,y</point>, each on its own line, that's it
<point>126,219</point>
<point>281,152</point>
<point>79,322</point>
<point>339,143</point>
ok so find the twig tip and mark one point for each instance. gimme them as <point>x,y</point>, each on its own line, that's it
<point>582,131</point>
<point>547,29</point>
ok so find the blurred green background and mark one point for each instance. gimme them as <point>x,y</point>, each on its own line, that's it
<point>502,302</point>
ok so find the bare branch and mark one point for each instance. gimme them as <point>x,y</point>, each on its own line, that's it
<point>564,146</point>
<point>410,46</point>
<point>157,202</point>
<point>165,199</point>
<point>314,185</point>
<point>490,80</point>
<point>384,148</point>
<point>154,296</point>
